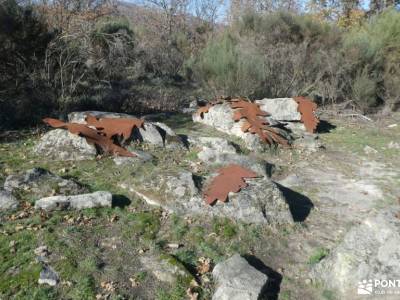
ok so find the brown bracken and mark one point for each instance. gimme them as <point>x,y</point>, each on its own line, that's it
<point>307,110</point>
<point>92,136</point>
<point>229,179</point>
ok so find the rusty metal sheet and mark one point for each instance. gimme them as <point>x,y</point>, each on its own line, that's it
<point>92,136</point>
<point>229,179</point>
<point>251,112</point>
<point>307,110</point>
<point>115,126</point>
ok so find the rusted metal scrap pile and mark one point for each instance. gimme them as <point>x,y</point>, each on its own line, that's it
<point>108,134</point>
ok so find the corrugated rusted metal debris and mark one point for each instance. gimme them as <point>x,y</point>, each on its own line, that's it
<point>254,121</point>
<point>229,179</point>
<point>307,110</point>
<point>102,138</point>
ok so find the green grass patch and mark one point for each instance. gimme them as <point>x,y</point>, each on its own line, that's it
<point>318,255</point>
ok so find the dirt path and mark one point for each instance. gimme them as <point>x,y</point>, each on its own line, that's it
<point>337,190</point>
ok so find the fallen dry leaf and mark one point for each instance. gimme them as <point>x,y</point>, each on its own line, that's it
<point>203,265</point>
<point>108,286</point>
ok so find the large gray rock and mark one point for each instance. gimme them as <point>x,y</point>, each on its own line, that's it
<point>60,144</point>
<point>213,157</point>
<point>236,279</point>
<point>7,200</point>
<point>165,268</point>
<point>80,116</point>
<point>368,251</point>
<point>280,109</point>
<point>220,117</point>
<point>219,151</point>
<point>261,202</point>
<point>214,143</point>
<point>96,199</point>
<point>39,183</point>
<point>153,133</point>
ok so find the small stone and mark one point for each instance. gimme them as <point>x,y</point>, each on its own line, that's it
<point>41,250</point>
<point>393,145</point>
<point>308,281</point>
<point>7,200</point>
<point>165,268</point>
<point>174,246</point>
<point>48,276</point>
<point>78,202</point>
<point>392,125</point>
<point>369,150</point>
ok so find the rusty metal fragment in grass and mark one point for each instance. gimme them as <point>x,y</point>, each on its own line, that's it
<point>115,126</point>
<point>307,110</point>
<point>254,121</point>
<point>92,136</point>
<point>229,179</point>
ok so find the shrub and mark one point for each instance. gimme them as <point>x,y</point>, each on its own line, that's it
<point>273,55</point>
<point>364,90</point>
<point>374,47</point>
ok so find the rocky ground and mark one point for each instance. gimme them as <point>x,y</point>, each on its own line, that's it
<point>79,226</point>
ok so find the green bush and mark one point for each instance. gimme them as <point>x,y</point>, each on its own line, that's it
<point>273,55</point>
<point>374,48</point>
<point>364,90</point>
<point>229,68</point>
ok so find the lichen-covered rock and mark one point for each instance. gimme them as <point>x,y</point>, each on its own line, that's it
<point>80,116</point>
<point>140,157</point>
<point>48,276</point>
<point>96,199</point>
<point>260,202</point>
<point>213,143</point>
<point>368,251</point>
<point>39,183</point>
<point>236,279</point>
<point>281,109</point>
<point>60,144</point>
<point>7,200</point>
<point>154,133</point>
<point>165,268</point>
<point>219,151</point>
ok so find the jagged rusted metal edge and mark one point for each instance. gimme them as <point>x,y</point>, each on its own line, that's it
<point>307,108</point>
<point>92,136</point>
<point>254,121</point>
<point>229,179</point>
<point>111,127</point>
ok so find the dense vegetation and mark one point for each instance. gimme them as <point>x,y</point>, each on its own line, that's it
<point>68,55</point>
